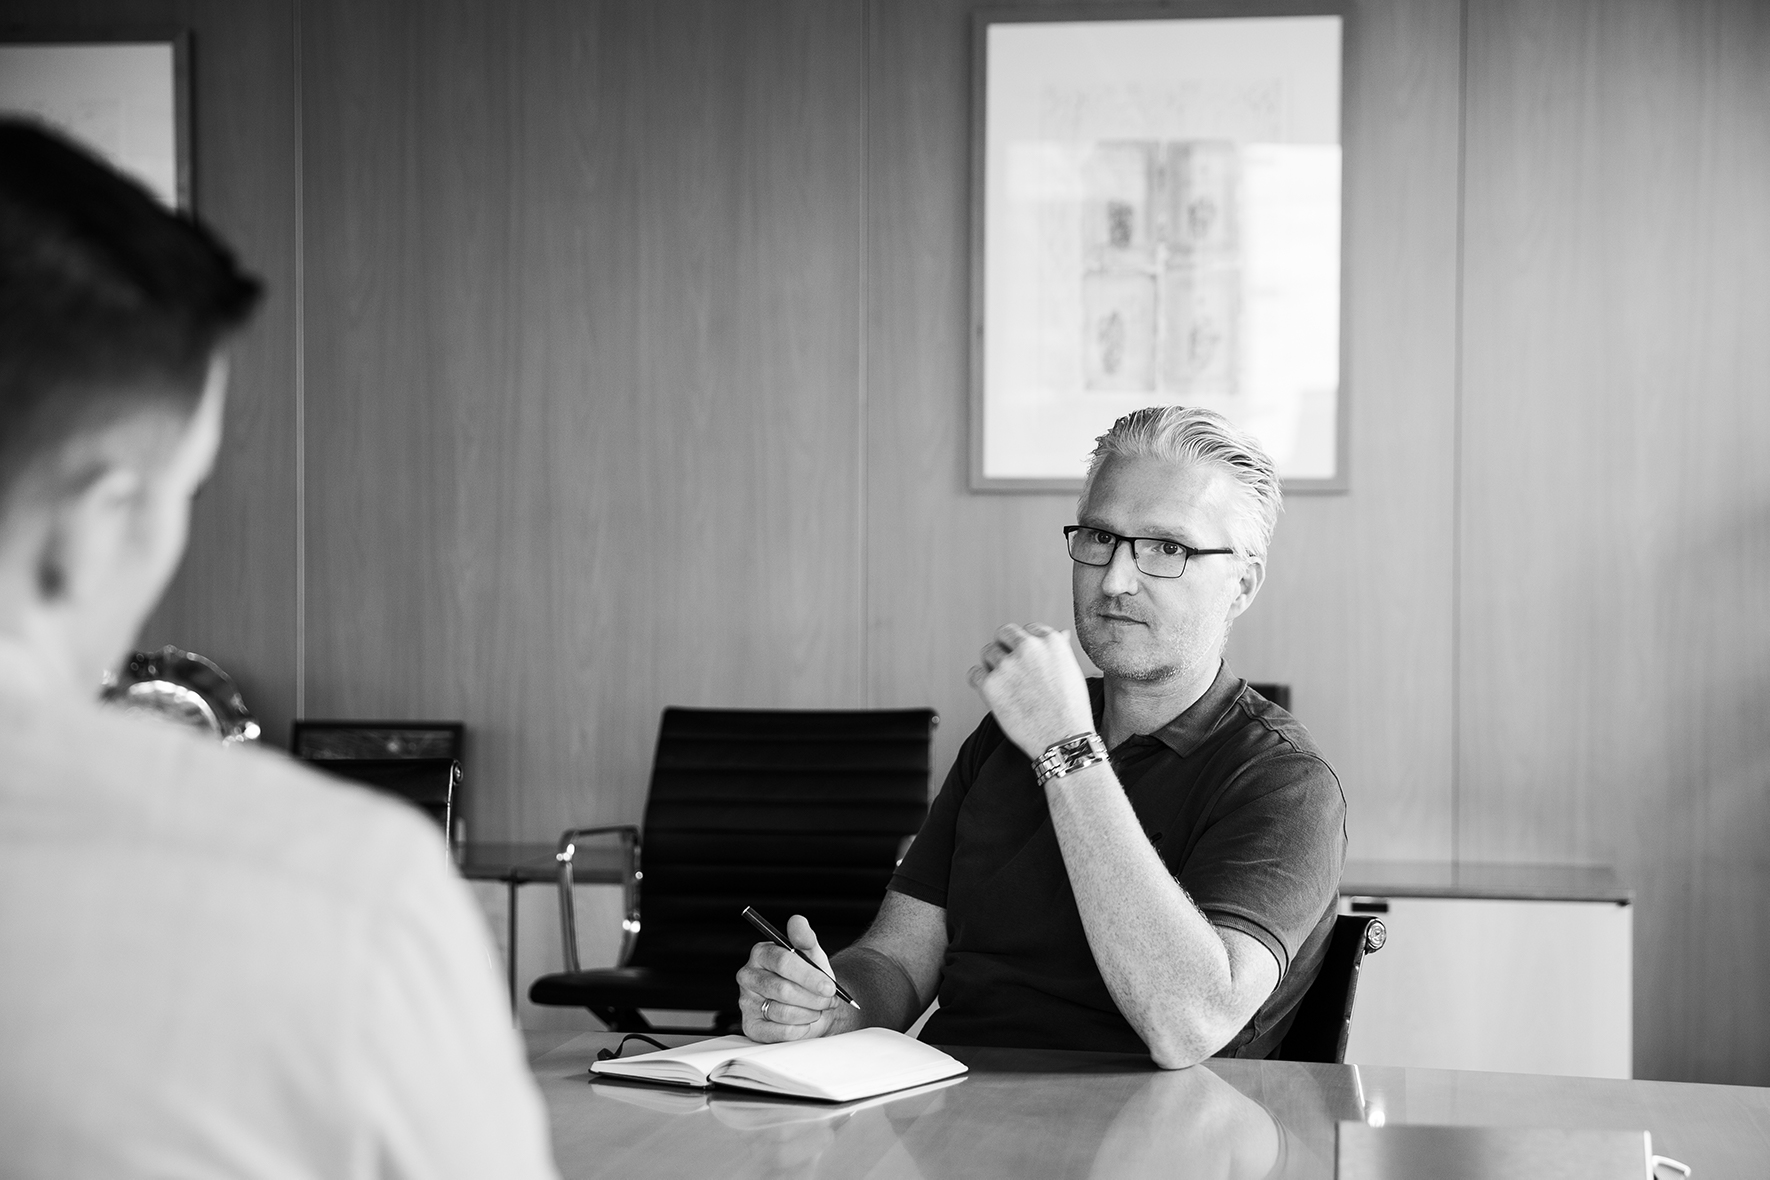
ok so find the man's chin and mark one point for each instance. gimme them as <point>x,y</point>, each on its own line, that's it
<point>1122,661</point>
<point>1138,673</point>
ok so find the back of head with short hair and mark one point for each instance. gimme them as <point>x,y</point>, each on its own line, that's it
<point>110,303</point>
<point>1185,435</point>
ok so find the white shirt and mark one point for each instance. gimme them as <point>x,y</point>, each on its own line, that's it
<point>214,963</point>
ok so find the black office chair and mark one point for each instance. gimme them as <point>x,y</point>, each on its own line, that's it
<point>1278,694</point>
<point>318,741</point>
<point>793,812</point>
<point>1324,1017</point>
<point>426,783</point>
<point>418,761</point>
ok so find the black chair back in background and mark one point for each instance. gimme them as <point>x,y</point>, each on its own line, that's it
<point>1278,694</point>
<point>1323,1023</point>
<point>418,761</point>
<point>426,783</point>
<point>790,811</point>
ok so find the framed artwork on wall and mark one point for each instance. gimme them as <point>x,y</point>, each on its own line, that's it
<point>1155,220</point>
<point>126,97</point>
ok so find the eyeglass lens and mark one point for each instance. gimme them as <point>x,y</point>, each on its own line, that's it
<point>1155,557</point>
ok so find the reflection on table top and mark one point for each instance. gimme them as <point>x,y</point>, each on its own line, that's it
<point>1035,1114</point>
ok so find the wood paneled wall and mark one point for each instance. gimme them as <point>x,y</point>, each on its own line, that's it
<point>635,374</point>
<point>582,380</point>
<point>1615,524</point>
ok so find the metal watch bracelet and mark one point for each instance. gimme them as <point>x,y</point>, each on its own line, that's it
<point>1074,753</point>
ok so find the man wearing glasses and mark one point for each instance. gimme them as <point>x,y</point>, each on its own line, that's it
<point>1147,862</point>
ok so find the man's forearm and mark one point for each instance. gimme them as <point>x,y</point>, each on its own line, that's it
<point>1165,965</point>
<point>886,995</point>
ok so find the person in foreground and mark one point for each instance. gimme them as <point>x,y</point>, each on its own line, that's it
<point>216,963</point>
<point>1175,898</point>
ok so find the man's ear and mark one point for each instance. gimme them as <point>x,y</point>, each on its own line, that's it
<point>1253,576</point>
<point>87,533</point>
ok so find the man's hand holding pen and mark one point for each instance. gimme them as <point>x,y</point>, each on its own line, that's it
<point>784,998</point>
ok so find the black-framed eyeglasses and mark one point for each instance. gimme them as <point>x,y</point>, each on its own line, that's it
<point>1158,557</point>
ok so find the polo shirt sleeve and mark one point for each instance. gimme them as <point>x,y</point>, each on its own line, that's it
<point>442,1083</point>
<point>1269,863</point>
<point>928,864</point>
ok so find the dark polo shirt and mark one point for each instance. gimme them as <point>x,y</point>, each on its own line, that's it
<point>1236,799</point>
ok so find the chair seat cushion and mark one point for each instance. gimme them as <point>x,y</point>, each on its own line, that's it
<point>637,987</point>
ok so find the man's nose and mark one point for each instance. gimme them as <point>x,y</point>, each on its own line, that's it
<point>1121,572</point>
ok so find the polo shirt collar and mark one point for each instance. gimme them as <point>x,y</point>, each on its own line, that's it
<point>1184,733</point>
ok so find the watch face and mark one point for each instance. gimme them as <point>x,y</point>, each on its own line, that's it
<point>1071,754</point>
<point>185,689</point>
<point>1081,747</point>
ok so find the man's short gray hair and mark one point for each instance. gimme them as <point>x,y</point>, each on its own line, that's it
<point>1186,435</point>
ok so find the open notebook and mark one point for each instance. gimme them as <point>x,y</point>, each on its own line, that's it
<point>842,1068</point>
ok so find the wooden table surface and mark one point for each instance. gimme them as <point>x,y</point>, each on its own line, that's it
<point>1035,1114</point>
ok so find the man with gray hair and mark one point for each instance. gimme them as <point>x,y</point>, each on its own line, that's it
<point>1147,862</point>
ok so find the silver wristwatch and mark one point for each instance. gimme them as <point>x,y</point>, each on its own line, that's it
<point>1069,755</point>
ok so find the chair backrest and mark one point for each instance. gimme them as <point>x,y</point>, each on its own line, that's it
<point>1324,1016</point>
<point>333,744</point>
<point>327,740</point>
<point>791,811</point>
<point>426,783</point>
<point>1278,694</point>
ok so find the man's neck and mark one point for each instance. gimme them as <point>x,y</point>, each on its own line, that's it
<point>32,662</point>
<point>1144,706</point>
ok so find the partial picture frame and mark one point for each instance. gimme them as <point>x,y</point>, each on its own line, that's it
<point>125,94</point>
<point>1156,219</point>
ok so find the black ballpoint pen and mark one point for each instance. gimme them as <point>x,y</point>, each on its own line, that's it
<point>780,940</point>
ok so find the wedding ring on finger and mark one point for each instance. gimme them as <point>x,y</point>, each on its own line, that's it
<point>765,1016</point>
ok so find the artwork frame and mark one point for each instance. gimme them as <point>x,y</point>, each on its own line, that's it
<point>134,86</point>
<point>1031,433</point>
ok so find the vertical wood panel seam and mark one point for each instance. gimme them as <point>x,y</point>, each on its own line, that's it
<point>1456,464</point>
<point>300,372</point>
<point>863,439</point>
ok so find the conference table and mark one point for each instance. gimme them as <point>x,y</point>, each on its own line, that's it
<point>1034,1114</point>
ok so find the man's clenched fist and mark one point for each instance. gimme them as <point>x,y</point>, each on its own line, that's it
<point>1029,678</point>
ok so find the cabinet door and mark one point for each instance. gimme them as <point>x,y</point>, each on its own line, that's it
<point>1508,986</point>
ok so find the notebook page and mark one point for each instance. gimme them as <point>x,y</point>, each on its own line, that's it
<point>850,1065</point>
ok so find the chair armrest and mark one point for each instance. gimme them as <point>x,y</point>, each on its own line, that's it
<point>630,878</point>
